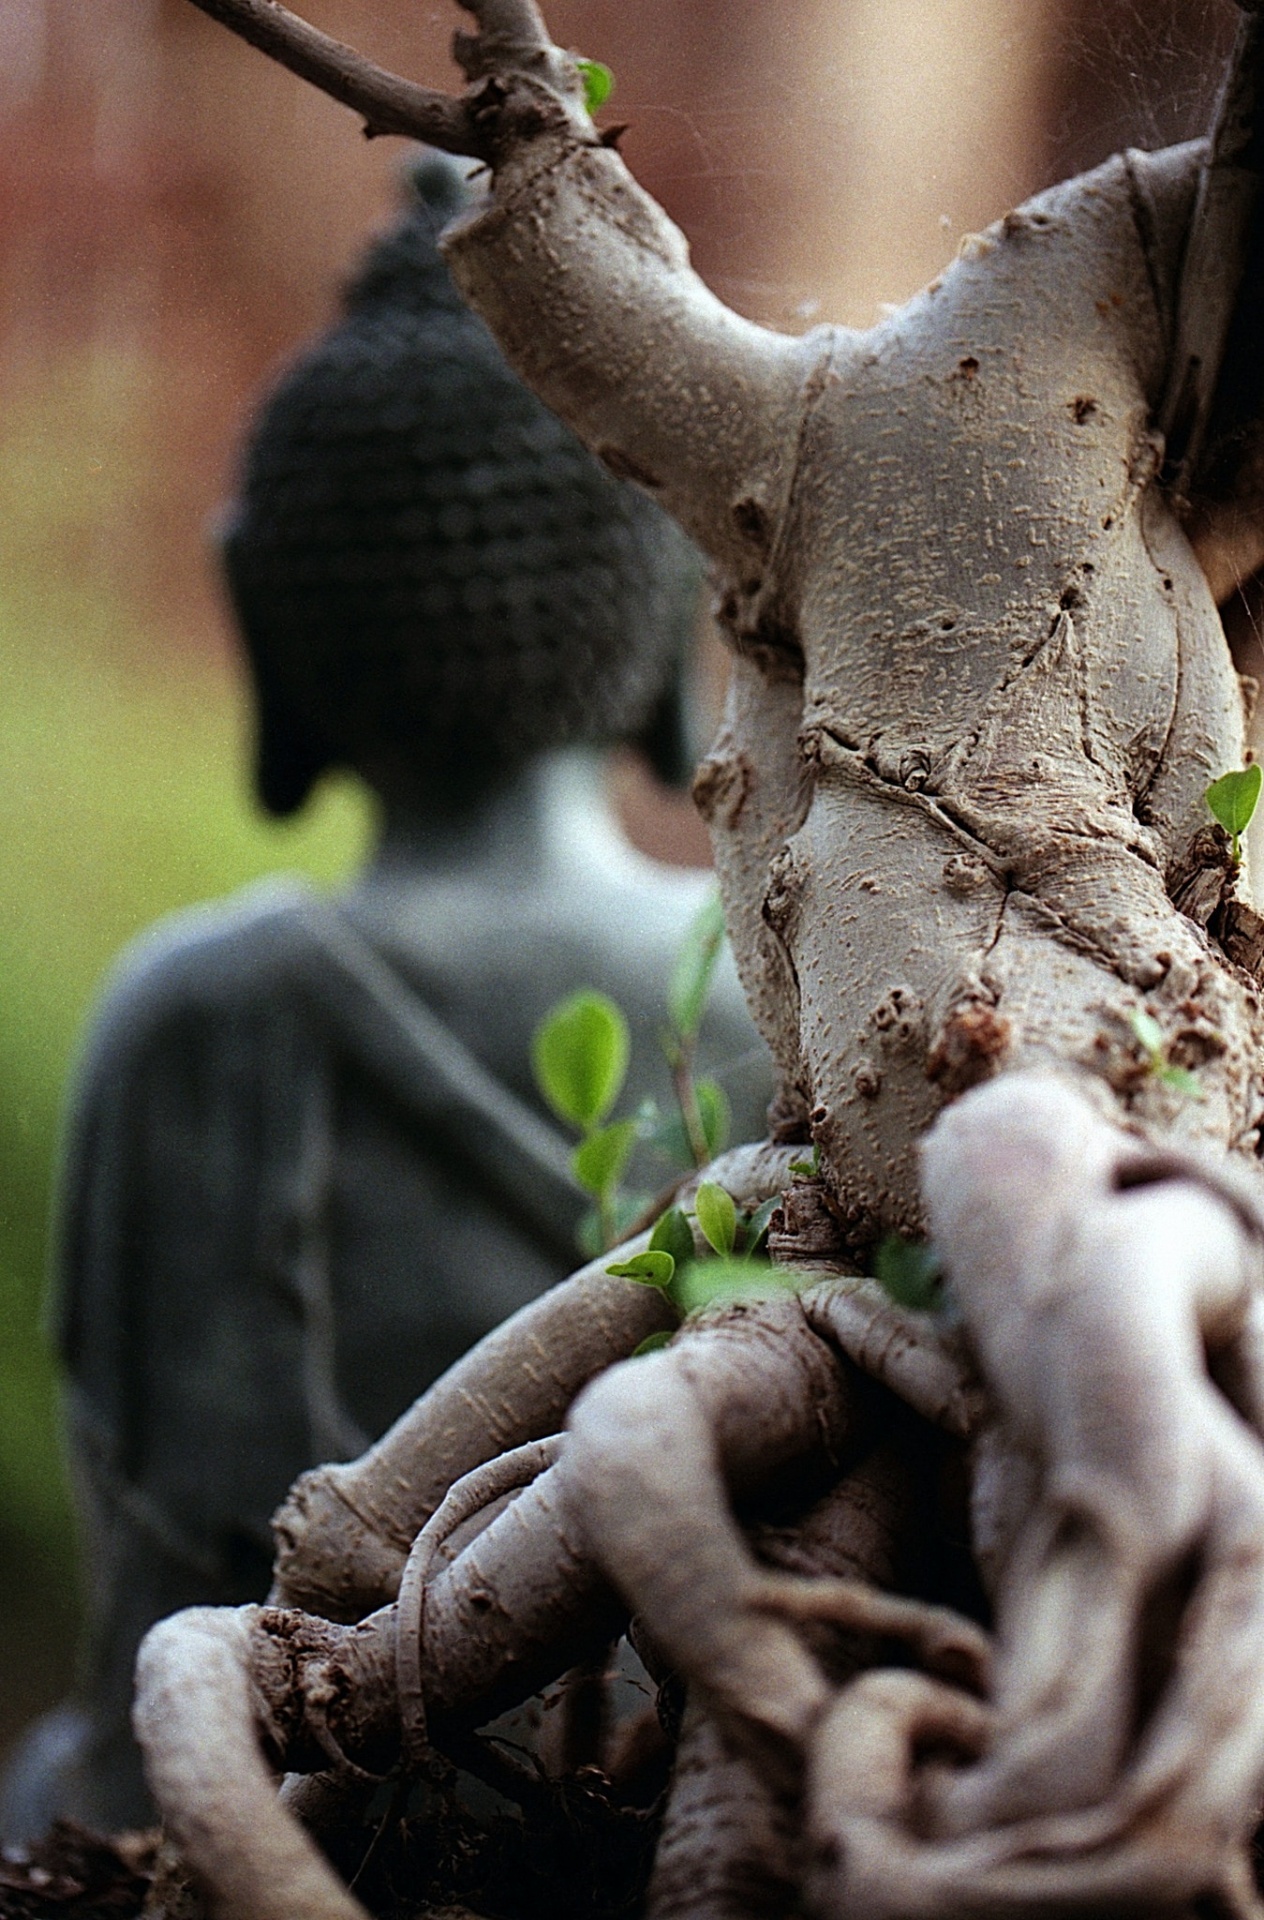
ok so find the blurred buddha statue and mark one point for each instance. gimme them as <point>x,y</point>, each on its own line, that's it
<point>306,1166</point>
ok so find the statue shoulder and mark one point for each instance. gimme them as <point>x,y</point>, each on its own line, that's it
<point>223,959</point>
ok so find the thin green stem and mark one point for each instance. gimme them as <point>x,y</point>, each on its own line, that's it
<point>681,1060</point>
<point>606,1217</point>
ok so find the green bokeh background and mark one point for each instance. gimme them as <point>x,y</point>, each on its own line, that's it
<point>122,795</point>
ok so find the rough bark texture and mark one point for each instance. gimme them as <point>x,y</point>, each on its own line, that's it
<point>1015,687</point>
<point>345,1531</point>
<point>980,689</point>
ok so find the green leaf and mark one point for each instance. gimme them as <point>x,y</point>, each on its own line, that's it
<point>673,1234</point>
<point>807,1169</point>
<point>757,1225</point>
<point>717,1216</point>
<point>1181,1080</point>
<point>713,1111</point>
<point>1233,798</point>
<point>580,1055</point>
<point>651,1344</point>
<point>691,977</point>
<point>598,1161</point>
<point>909,1271</point>
<point>598,83</point>
<point>705,1282</point>
<point>1146,1031</point>
<point>652,1269</point>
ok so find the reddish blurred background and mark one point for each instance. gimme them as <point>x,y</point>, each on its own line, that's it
<point>174,216</point>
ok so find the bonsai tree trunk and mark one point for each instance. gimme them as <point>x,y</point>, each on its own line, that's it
<point>968,565</point>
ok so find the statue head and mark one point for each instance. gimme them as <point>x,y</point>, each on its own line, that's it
<point>434,580</point>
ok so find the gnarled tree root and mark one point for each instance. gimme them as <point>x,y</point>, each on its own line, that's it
<point>1119,1764</point>
<point>729,1845</point>
<point>1105,1755</point>
<point>195,1718</point>
<point>502,1590</point>
<point>345,1530</point>
<point>221,1693</point>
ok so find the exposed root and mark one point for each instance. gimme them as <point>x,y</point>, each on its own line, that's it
<point>744,1396</point>
<point>1117,1754</point>
<point>938,1638</point>
<point>729,1845</point>
<point>1121,1758</point>
<point>893,1738</point>
<point>217,1689</point>
<point>926,1363</point>
<point>195,1719</point>
<point>471,1497</point>
<point>345,1531</point>
<point>731,1842</point>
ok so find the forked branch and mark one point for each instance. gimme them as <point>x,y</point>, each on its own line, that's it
<point>1213,415</point>
<point>388,103</point>
<point>1217,247</point>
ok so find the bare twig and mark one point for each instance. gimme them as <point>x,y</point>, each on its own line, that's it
<point>1215,276</point>
<point>387,103</point>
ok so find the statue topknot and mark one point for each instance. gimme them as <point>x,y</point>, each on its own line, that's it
<point>434,579</point>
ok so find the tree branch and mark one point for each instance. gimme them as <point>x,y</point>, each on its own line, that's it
<point>1217,281</point>
<point>387,103</point>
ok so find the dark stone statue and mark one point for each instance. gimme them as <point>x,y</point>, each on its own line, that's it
<point>306,1166</point>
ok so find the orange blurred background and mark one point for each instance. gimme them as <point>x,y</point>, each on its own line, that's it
<point>174,216</point>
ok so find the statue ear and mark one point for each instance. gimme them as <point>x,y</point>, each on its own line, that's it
<point>288,762</point>
<point>288,755</point>
<point>667,738</point>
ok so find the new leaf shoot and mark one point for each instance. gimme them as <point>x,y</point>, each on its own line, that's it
<point>598,83</point>
<point>1233,799</point>
<point>1148,1035</point>
<point>580,1054</point>
<point>717,1217</point>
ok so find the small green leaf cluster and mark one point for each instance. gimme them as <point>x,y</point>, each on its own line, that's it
<point>910,1272</point>
<point>733,1267</point>
<point>598,82</point>
<point>580,1056</point>
<point>1148,1035</point>
<point>1233,799</point>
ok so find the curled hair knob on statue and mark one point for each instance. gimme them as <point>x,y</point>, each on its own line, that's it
<point>306,1166</point>
<point>435,580</point>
